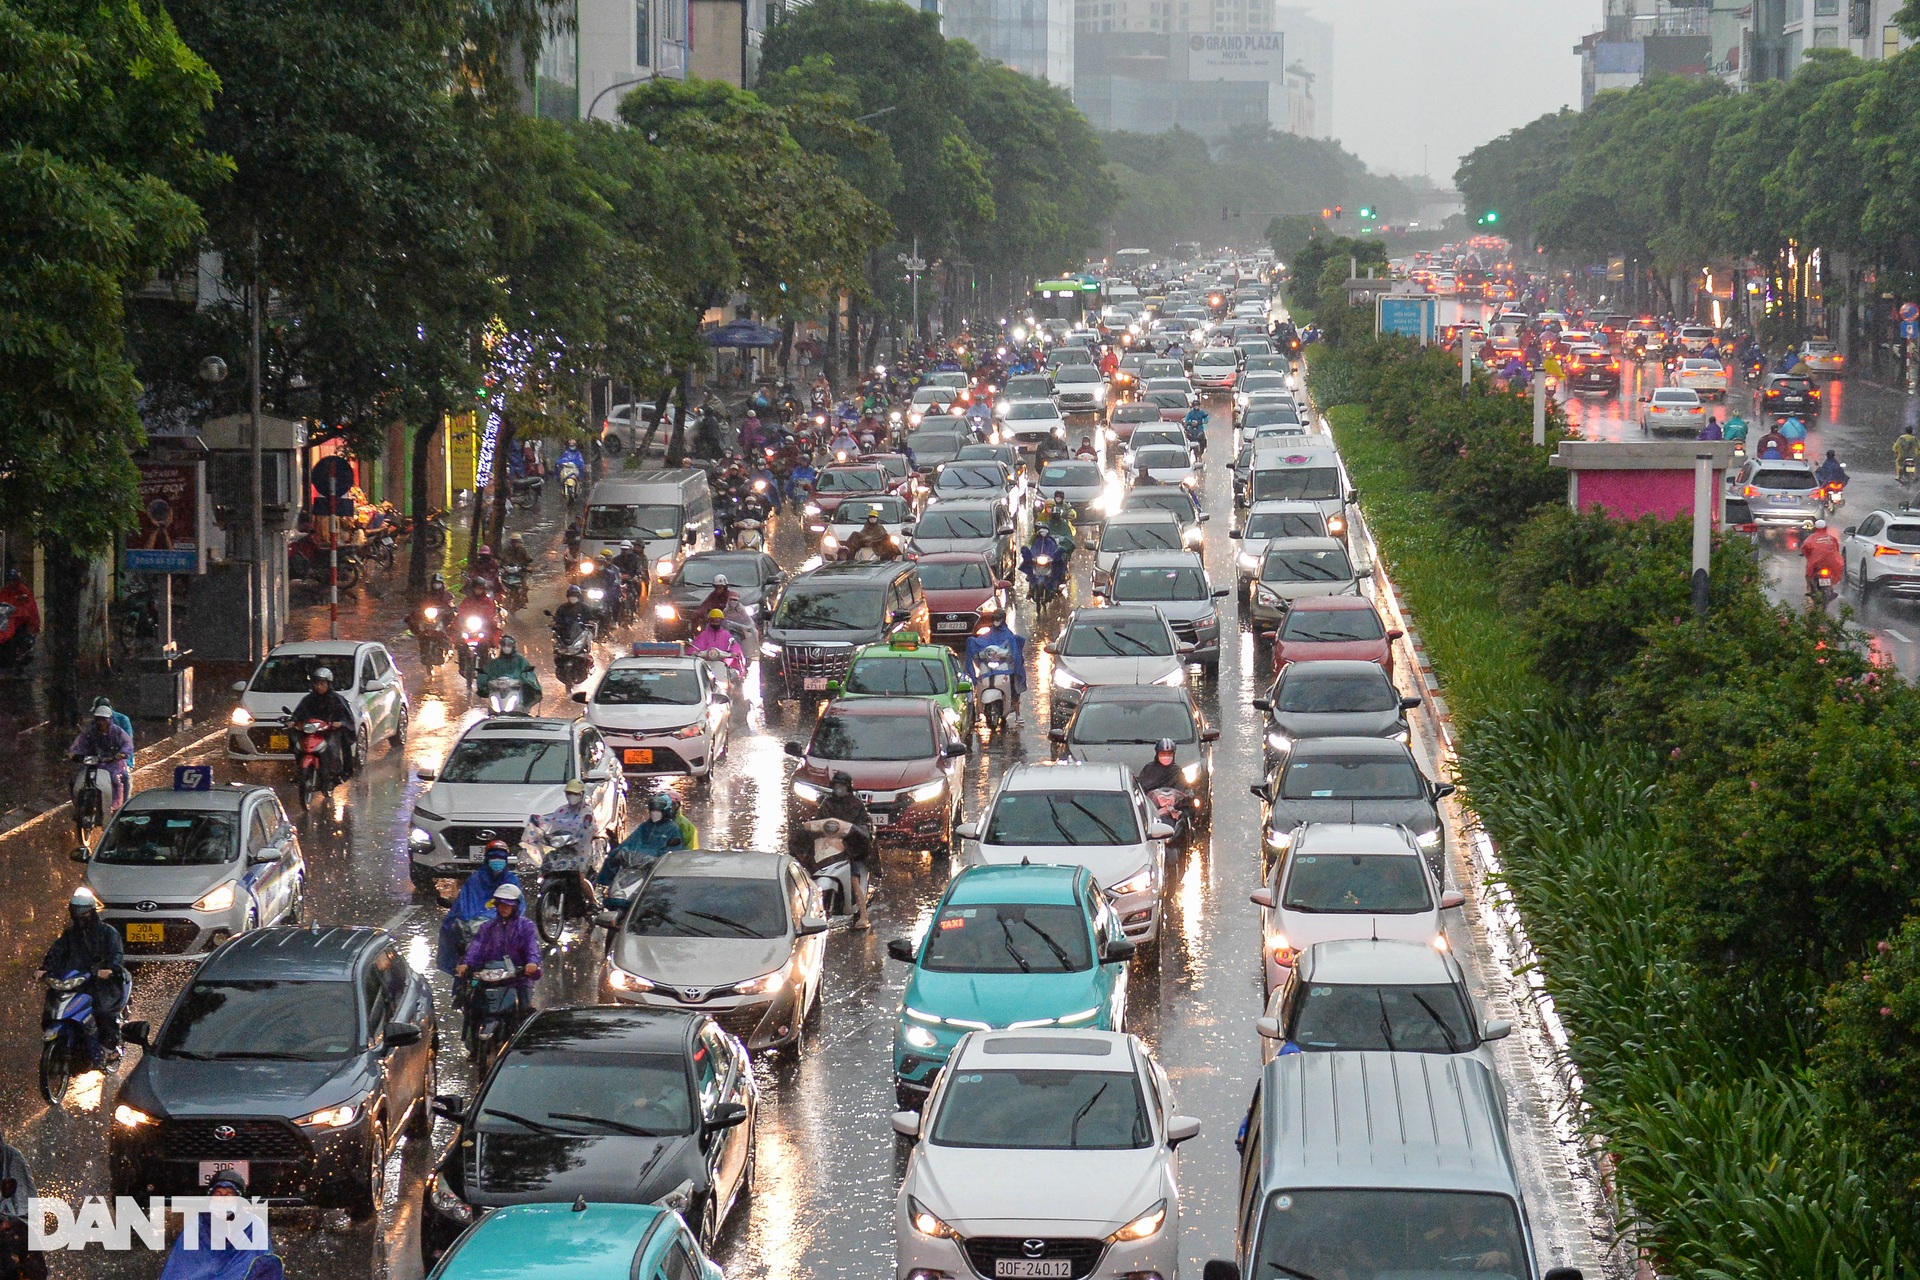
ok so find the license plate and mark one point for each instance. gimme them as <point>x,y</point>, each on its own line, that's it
<point>571,862</point>
<point>637,755</point>
<point>814,684</point>
<point>138,931</point>
<point>949,626</point>
<point>277,742</point>
<point>1024,1268</point>
<point>210,1167</point>
<point>475,852</point>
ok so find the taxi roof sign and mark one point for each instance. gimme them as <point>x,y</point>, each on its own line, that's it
<point>193,777</point>
<point>904,640</point>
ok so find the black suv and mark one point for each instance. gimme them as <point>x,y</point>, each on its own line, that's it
<point>823,616</point>
<point>299,1055</point>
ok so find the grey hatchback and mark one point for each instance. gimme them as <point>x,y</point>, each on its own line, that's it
<point>1352,780</point>
<point>1332,699</point>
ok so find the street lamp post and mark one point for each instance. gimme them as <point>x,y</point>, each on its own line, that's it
<point>914,264</point>
<point>619,84</point>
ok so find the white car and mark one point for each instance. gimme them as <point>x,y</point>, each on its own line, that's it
<point>1125,644</point>
<point>1695,337</point>
<point>1266,522</point>
<point>1294,568</point>
<point>1672,409</point>
<point>1033,424</point>
<point>1047,1152</point>
<point>1079,815</point>
<point>1822,356</point>
<point>896,517</point>
<point>1145,437</point>
<point>1342,880</point>
<point>1134,531</point>
<point>1079,388</point>
<point>661,715</point>
<point>1704,375</point>
<point>1882,554</point>
<point>1163,464</point>
<point>363,673</point>
<point>502,771</point>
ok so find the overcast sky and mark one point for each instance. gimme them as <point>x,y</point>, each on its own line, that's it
<point>1447,75</point>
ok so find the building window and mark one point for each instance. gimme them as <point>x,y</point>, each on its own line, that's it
<point>1825,8</point>
<point>1826,37</point>
<point>642,33</point>
<point>1796,10</point>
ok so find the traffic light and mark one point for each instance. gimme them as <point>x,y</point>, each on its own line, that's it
<point>1489,218</point>
<point>1326,213</point>
<point>1337,212</point>
<point>1366,211</point>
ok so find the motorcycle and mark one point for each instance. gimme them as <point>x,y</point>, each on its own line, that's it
<point>506,696</point>
<point>1821,586</point>
<point>1904,470</point>
<point>1832,497</point>
<point>526,492</point>
<point>430,625</point>
<point>69,1032</point>
<point>314,762</point>
<point>748,534</point>
<point>16,643</point>
<point>723,667</point>
<point>381,548</point>
<point>491,1004</point>
<point>832,868</point>
<point>92,797</point>
<point>479,627</point>
<point>1179,810</point>
<point>563,891</point>
<point>994,689</point>
<point>570,483</point>
<point>310,560</point>
<point>513,584</point>
<point>572,651</point>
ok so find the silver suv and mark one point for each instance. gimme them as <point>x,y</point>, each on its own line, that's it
<point>1778,491</point>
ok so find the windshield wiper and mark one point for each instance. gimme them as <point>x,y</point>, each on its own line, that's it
<point>1053,816</point>
<point>1453,1044</point>
<point>534,1125</point>
<point>734,925</point>
<point>1286,1270</point>
<point>1066,965</point>
<point>1013,949</point>
<point>1386,1023</point>
<point>1112,835</point>
<point>605,1123</point>
<point>264,1055</point>
<point>1073,1130</point>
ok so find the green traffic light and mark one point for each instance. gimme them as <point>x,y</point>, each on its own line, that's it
<point>1366,211</point>
<point>1490,216</point>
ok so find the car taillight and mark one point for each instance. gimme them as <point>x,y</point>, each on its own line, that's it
<point>1748,491</point>
<point>1887,551</point>
<point>1614,365</point>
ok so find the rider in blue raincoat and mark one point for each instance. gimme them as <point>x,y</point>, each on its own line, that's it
<point>475,902</point>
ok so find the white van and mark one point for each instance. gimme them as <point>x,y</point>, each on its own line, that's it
<point>668,513</point>
<point>1301,469</point>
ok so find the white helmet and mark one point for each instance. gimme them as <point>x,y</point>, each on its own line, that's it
<point>719,579</point>
<point>507,893</point>
<point>1819,524</point>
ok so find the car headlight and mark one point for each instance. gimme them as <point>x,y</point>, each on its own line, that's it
<point>1249,562</point>
<point>241,716</point>
<point>1191,773</point>
<point>927,791</point>
<point>691,730</point>
<point>1278,740</point>
<point>1141,1227</point>
<point>768,649</point>
<point>1174,678</point>
<point>444,1201</point>
<point>420,836</point>
<point>1139,882</point>
<point>218,898</point>
<point>920,1037</point>
<point>828,542</point>
<point>1428,839</point>
<point>807,790</point>
<point>620,980</point>
<point>765,984</point>
<point>1065,679</point>
<point>665,612</point>
<point>1277,839</point>
<point>664,566</point>
<point>926,1223</point>
<point>1268,595</point>
<point>1335,526</point>
<point>130,1117</point>
<point>331,1117</point>
<point>813,508</point>
<point>1281,950</point>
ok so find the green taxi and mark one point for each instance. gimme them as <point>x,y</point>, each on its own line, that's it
<point>907,667</point>
<point>577,1241</point>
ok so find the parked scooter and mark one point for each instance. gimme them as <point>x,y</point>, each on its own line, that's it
<point>70,1035</point>
<point>527,491</point>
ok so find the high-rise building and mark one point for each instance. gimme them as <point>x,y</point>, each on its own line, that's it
<point>1746,41</point>
<point>1031,36</point>
<point>598,49</point>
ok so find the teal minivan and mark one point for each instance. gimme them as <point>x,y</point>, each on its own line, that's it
<point>1009,947</point>
<point>577,1241</point>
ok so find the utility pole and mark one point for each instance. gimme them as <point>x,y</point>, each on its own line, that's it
<point>257,625</point>
<point>914,264</point>
<point>1702,529</point>
<point>1540,410</point>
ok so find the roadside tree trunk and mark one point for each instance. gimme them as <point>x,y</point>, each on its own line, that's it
<point>419,498</point>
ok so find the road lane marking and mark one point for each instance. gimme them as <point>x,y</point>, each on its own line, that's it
<point>1897,636</point>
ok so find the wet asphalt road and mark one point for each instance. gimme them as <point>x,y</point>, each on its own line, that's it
<point>828,1162</point>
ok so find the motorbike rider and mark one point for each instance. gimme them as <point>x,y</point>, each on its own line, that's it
<point>516,554</point>
<point>1792,429</point>
<point>511,664</point>
<point>1832,471</point>
<point>1905,449</point>
<point>1735,428</point>
<point>840,802</point>
<point>1711,431</point>
<point>994,633</point>
<point>1771,445</point>
<point>509,935</point>
<point>120,718</point>
<point>26,618</point>
<point>1086,452</point>
<point>1195,425</point>
<point>108,742</point>
<point>1822,551</point>
<point>574,817</point>
<point>721,597</point>
<point>844,448</point>
<point>661,832</point>
<point>90,945</point>
<point>1160,772</point>
<point>195,1255</point>
<point>872,536</point>
<point>1043,544</point>
<point>485,572</point>
<point>571,454</point>
<point>16,1191</point>
<point>435,594</point>
<point>324,702</point>
<point>610,583</point>
<point>572,613</point>
<point>631,562</point>
<point>717,635</point>
<point>474,901</point>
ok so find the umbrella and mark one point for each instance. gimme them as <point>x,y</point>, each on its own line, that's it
<point>744,333</point>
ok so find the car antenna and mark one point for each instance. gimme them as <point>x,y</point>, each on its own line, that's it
<point>1026,860</point>
<point>580,1204</point>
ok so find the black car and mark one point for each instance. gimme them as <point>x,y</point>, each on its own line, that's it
<point>1332,698</point>
<point>825,614</point>
<point>299,1055</point>
<point>1351,780</point>
<point>751,575</point>
<point>613,1103</point>
<point>1594,370</point>
<point>1787,393</point>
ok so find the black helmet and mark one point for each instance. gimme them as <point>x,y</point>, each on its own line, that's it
<point>573,593</point>
<point>841,778</point>
<point>1164,747</point>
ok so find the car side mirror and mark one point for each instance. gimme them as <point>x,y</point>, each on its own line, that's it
<point>1005,586</point>
<point>1182,1129</point>
<point>1209,735</point>
<point>1118,951</point>
<point>795,750</point>
<point>811,926</point>
<point>239,686</point>
<point>1850,530</point>
<point>1268,1028</point>
<point>963,686</point>
<point>968,831</point>
<point>80,854</point>
<point>906,1123</point>
<point>602,774</point>
<point>1221,1269</point>
<point>137,1032</point>
<point>1005,531</point>
<point>1495,1029</point>
<point>1262,704</point>
<point>953,751</point>
<point>1219,593</point>
<point>399,1034</point>
<point>1260,790</point>
<point>1262,897</point>
<point>426,772</point>
<point>263,857</point>
<point>900,949</point>
<point>1395,634</point>
<point>450,1105</point>
<point>1160,831</point>
<point>834,687</point>
<point>1442,790</point>
<point>1452,898</point>
<point>580,697</point>
<point>1409,702</point>
<point>897,616</point>
<point>1553,1273</point>
<point>1353,495</point>
<point>725,1116</point>
<point>606,919</point>
<point>547,612</point>
<point>1236,534</point>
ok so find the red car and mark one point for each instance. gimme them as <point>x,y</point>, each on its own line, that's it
<point>1334,627</point>
<point>901,753</point>
<point>957,584</point>
<point>835,484</point>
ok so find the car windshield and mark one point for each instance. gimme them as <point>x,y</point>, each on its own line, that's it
<point>1103,723</point>
<point>1783,478</point>
<point>1063,474</point>
<point>971,475</point>
<point>1270,415</point>
<point>1390,884</point>
<point>1219,356</point>
<point>1330,626</point>
<point>1032,387</point>
<point>537,1089</point>
<point>1675,397</point>
<point>1170,437</point>
<point>708,907</point>
<point>824,607</point>
<point>700,572</point>
<point>1163,369</point>
<point>1314,691</point>
<point>1173,500</point>
<point>1174,582</point>
<point>956,575</point>
<point>892,511</point>
<point>1167,399</point>
<point>231,1019</point>
<point>1043,1111</point>
<point>1023,411</point>
<point>1145,536</point>
<point>1366,777</point>
<point>508,760</point>
<point>1306,564</point>
<point>935,444</point>
<point>985,453</point>
<point>293,673</point>
<point>1425,1019</point>
<point>1265,382</point>
<point>952,524</point>
<point>1076,373</point>
<point>897,677</point>
<point>864,480</point>
<point>1171,459</point>
<point>637,520</point>
<point>169,838</point>
<point>1285,524</point>
<point>1296,484</point>
<point>933,395</point>
<point>1390,1235</point>
<point>1049,817</point>
<point>1108,638</point>
<point>1014,937</point>
<point>645,687</point>
<point>1136,413</point>
<point>848,737</point>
